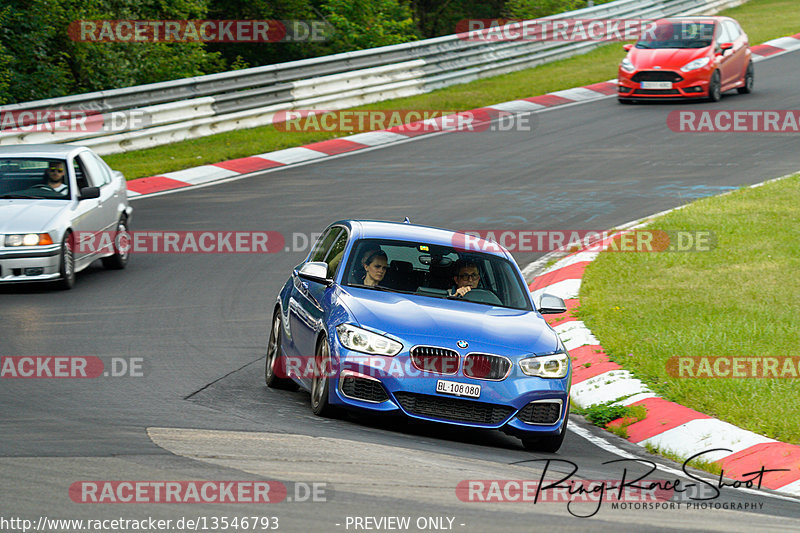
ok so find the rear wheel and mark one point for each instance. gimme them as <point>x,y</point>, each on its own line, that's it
<point>320,384</point>
<point>275,363</point>
<point>749,80</point>
<point>122,247</point>
<point>67,267</point>
<point>715,87</point>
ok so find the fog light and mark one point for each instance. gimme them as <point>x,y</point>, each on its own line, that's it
<point>624,89</point>
<point>694,89</point>
<point>35,271</point>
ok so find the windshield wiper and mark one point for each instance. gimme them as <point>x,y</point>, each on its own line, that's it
<point>21,196</point>
<point>379,288</point>
<point>639,45</point>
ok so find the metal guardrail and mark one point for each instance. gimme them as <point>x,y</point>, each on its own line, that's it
<point>199,106</point>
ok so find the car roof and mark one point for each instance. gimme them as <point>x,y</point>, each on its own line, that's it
<point>61,151</point>
<point>401,231</point>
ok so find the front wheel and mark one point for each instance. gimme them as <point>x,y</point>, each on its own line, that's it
<point>67,267</point>
<point>715,87</point>
<point>320,384</point>
<point>550,443</point>
<point>275,363</point>
<point>749,80</point>
<point>122,247</point>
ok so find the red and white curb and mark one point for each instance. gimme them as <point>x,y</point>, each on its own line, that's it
<point>668,425</point>
<point>239,167</point>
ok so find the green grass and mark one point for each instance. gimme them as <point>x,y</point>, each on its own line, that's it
<point>757,18</point>
<point>740,299</point>
<point>605,413</point>
<point>700,464</point>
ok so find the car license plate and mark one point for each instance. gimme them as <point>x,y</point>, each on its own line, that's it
<point>458,389</point>
<point>656,85</point>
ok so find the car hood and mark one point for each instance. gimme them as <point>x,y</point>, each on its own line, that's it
<point>29,216</point>
<point>666,58</point>
<point>416,318</point>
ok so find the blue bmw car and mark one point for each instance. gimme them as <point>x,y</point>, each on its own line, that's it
<point>397,318</point>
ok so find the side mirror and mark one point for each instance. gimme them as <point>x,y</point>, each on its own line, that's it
<point>551,305</point>
<point>628,47</point>
<point>726,46</point>
<point>87,193</point>
<point>315,271</point>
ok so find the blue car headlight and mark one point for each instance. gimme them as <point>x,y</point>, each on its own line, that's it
<point>546,366</point>
<point>361,340</point>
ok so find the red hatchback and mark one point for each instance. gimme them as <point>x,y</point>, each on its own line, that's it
<point>687,57</point>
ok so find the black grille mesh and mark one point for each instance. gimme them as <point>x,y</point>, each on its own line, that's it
<point>453,409</point>
<point>363,389</point>
<point>486,366</point>
<point>544,413</point>
<point>657,75</point>
<point>436,360</point>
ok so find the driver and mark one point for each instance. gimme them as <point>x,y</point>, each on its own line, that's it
<point>55,178</point>
<point>466,278</point>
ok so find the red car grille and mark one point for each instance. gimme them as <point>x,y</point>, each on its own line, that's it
<point>485,366</point>
<point>436,360</point>
<point>656,91</point>
<point>657,75</point>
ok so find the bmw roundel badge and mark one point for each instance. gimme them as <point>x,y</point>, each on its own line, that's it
<point>462,344</point>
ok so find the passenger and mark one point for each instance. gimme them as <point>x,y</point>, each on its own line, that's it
<point>375,267</point>
<point>466,278</point>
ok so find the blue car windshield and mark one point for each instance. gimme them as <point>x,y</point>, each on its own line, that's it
<point>679,35</point>
<point>435,271</point>
<point>29,178</point>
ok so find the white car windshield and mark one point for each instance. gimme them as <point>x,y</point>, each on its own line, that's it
<point>34,178</point>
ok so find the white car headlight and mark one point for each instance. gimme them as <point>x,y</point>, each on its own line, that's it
<point>28,239</point>
<point>627,65</point>
<point>361,340</point>
<point>546,366</point>
<point>696,64</point>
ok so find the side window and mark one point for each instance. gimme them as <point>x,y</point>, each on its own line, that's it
<point>334,257</point>
<point>723,36</point>
<point>94,172</point>
<point>80,174</point>
<point>324,244</point>
<point>733,31</point>
<point>104,169</point>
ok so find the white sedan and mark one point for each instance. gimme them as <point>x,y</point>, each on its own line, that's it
<point>51,197</point>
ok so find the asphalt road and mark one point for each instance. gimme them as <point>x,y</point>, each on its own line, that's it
<point>198,323</point>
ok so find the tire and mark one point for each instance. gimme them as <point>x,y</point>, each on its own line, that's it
<point>122,251</point>
<point>715,87</point>
<point>548,444</point>
<point>320,384</point>
<point>749,80</point>
<point>271,377</point>
<point>67,264</point>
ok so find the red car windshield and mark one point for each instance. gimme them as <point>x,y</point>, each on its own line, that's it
<point>680,35</point>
